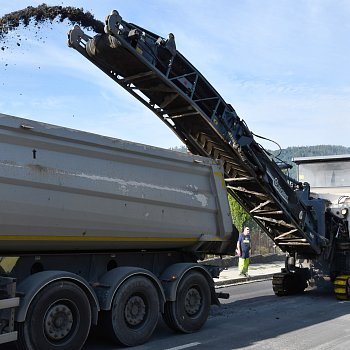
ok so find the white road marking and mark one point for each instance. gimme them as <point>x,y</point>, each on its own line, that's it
<point>185,346</point>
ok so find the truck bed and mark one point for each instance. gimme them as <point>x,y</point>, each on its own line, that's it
<point>67,190</point>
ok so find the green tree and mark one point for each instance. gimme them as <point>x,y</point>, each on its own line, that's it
<point>239,216</point>
<point>261,243</point>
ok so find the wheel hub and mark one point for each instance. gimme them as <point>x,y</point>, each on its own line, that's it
<point>192,301</point>
<point>58,322</point>
<point>135,310</point>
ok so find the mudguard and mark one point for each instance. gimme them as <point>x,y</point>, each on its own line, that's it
<point>113,279</point>
<point>32,285</point>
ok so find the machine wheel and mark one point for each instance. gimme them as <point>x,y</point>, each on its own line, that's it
<point>135,312</point>
<point>342,287</point>
<point>190,310</point>
<point>59,317</point>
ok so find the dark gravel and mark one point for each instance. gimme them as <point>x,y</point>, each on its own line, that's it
<point>48,14</point>
<point>33,19</point>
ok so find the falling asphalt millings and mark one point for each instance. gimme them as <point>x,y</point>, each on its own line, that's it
<point>35,16</point>
<point>32,19</point>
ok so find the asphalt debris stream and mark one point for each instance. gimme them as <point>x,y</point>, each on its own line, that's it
<point>35,16</point>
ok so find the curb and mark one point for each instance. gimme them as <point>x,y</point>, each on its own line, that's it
<point>241,280</point>
<point>231,261</point>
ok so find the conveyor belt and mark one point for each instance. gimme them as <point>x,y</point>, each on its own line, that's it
<point>163,80</point>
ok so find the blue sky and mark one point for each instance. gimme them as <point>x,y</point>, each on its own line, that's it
<point>282,64</point>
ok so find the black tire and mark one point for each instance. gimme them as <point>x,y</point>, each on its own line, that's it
<point>190,310</point>
<point>134,314</point>
<point>59,317</point>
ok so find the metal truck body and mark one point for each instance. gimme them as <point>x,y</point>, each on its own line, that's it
<point>96,230</point>
<point>65,190</point>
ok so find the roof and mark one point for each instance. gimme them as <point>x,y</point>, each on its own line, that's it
<point>320,159</point>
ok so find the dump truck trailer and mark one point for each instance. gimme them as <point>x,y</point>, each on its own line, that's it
<point>101,231</point>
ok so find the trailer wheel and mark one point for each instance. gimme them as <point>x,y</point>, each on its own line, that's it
<point>190,310</point>
<point>135,312</point>
<point>59,317</point>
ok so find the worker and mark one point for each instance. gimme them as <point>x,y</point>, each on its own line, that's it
<point>243,250</point>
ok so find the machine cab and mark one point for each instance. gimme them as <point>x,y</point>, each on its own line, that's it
<point>329,178</point>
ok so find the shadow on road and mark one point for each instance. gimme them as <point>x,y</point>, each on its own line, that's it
<point>261,318</point>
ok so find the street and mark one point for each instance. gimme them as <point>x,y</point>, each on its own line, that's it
<point>254,318</point>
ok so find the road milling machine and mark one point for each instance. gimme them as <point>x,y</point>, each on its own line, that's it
<point>312,229</point>
<point>105,232</point>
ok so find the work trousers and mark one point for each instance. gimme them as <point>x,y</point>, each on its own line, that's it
<point>243,264</point>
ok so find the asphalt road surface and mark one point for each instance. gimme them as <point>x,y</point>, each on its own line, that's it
<point>254,318</point>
